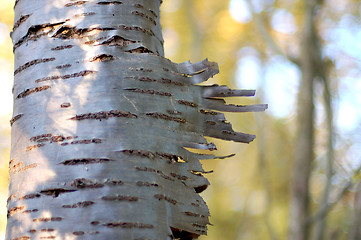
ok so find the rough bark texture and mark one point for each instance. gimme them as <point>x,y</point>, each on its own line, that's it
<point>101,122</point>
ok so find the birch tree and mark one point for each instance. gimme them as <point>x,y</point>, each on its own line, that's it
<point>103,125</point>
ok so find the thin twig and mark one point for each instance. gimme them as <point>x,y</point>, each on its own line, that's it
<point>325,210</point>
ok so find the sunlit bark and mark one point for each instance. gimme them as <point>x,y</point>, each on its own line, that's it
<point>101,122</point>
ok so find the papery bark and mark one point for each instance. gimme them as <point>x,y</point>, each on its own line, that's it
<point>101,122</point>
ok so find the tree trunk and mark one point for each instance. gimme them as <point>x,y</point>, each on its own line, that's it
<point>101,122</point>
<point>302,166</point>
<point>355,231</point>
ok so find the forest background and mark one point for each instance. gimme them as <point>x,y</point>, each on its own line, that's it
<point>254,42</point>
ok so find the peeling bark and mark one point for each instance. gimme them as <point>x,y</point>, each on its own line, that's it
<point>101,122</point>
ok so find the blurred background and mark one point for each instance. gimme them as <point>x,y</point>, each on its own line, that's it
<point>261,44</point>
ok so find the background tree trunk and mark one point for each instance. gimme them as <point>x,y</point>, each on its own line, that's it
<point>302,165</point>
<point>101,122</point>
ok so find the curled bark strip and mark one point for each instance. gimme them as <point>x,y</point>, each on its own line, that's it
<point>224,91</point>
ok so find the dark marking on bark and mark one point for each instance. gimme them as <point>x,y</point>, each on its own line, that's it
<point>55,192</point>
<point>95,223</point>
<point>165,198</point>
<point>32,231</point>
<point>183,235</point>
<point>36,32</point>
<point>180,177</point>
<point>208,112</point>
<point>149,91</point>
<point>31,210</point>
<point>47,230</point>
<point>27,92</point>
<point>147,184</point>
<point>90,42</point>
<point>137,13</point>
<point>195,204</point>
<point>102,58</point>
<point>166,117</point>
<point>191,214</point>
<point>84,14</point>
<point>79,204</point>
<point>140,69</point>
<point>143,79</point>
<point>22,19</point>
<point>87,141</point>
<point>110,3</point>
<point>30,196</point>
<point>117,41</point>
<point>15,210</point>
<point>78,233</point>
<point>226,132</point>
<point>67,76</point>
<point>86,183</point>
<point>175,112</point>
<point>137,5</point>
<point>65,105</point>
<point>114,182</point>
<point>120,198</point>
<point>11,162</point>
<point>21,238</point>
<point>163,80</point>
<point>200,189</point>
<point>200,173</point>
<point>104,115</point>
<point>154,14</point>
<point>63,66</point>
<point>32,147</point>
<point>32,63</point>
<point>78,3</point>
<point>187,103</point>
<point>128,225</point>
<point>52,219</point>
<point>11,197</point>
<point>62,47</point>
<point>169,81</point>
<point>57,138</point>
<point>40,137</point>
<point>172,158</point>
<point>136,28</point>
<point>66,32</point>
<point>30,166</point>
<point>84,161</point>
<point>139,50</point>
<point>12,168</point>
<point>210,123</point>
<point>159,172</point>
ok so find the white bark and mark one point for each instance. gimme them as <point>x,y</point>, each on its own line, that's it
<point>100,123</point>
